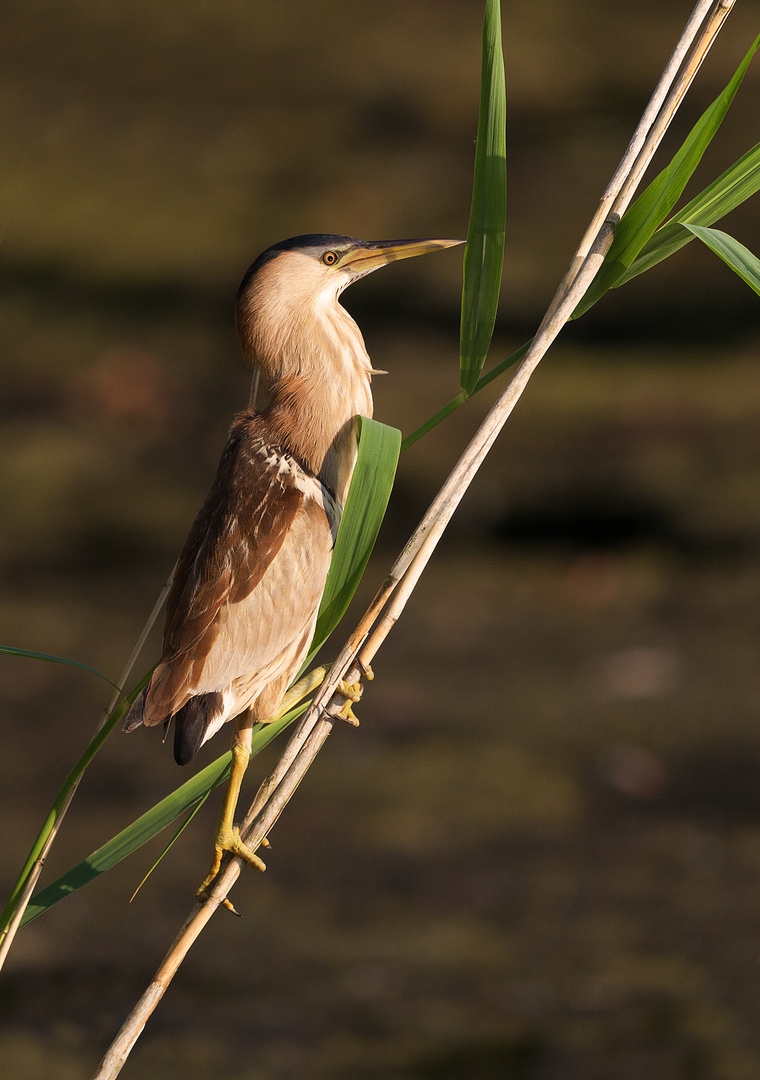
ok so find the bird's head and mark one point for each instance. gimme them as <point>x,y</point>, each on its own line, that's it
<point>292,280</point>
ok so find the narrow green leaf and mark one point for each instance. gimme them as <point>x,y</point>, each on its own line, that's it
<point>9,650</point>
<point>484,253</point>
<point>460,399</point>
<point>371,484</point>
<point>151,823</point>
<point>730,190</point>
<point>499,369</point>
<point>433,421</point>
<point>736,255</point>
<point>172,841</point>
<point>658,199</point>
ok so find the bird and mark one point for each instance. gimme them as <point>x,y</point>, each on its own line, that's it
<point>245,592</point>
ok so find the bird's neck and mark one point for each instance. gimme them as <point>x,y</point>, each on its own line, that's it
<point>321,384</point>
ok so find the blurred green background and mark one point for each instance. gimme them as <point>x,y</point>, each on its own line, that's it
<point>539,855</point>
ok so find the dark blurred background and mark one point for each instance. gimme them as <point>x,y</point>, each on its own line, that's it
<point>539,855</point>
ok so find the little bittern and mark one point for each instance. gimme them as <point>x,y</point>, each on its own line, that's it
<point>243,602</point>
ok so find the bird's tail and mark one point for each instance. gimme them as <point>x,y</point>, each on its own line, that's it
<point>191,722</point>
<point>134,717</point>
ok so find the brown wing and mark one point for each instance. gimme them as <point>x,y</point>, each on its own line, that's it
<point>234,539</point>
<point>261,640</point>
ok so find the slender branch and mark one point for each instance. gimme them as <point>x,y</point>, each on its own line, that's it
<point>718,16</point>
<point>363,644</point>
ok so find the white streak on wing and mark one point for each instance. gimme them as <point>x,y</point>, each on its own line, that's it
<point>311,486</point>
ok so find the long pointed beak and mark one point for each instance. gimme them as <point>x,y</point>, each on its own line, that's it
<point>375,253</point>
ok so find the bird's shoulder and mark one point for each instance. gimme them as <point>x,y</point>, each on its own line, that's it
<point>257,458</point>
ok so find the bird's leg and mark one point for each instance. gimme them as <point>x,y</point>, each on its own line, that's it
<point>227,837</point>
<point>298,691</point>
<point>352,692</point>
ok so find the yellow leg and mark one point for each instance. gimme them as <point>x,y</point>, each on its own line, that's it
<point>227,836</point>
<point>298,691</point>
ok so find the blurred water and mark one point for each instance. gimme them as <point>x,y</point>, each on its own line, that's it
<point>539,854</point>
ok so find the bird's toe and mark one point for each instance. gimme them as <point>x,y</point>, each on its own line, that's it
<point>227,840</point>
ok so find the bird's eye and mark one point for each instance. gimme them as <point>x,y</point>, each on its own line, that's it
<point>330,258</point>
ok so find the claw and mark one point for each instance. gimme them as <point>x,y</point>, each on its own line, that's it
<point>352,692</point>
<point>227,840</point>
<point>347,714</point>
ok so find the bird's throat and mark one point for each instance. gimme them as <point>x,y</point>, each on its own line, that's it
<point>313,357</point>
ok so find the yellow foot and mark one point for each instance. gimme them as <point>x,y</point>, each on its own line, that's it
<point>352,692</point>
<point>227,840</point>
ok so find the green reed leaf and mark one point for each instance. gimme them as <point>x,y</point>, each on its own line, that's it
<point>371,484</point>
<point>10,650</point>
<point>185,797</point>
<point>736,255</point>
<point>655,203</point>
<point>484,253</point>
<point>731,189</point>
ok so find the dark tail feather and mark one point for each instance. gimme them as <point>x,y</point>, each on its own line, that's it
<point>134,717</point>
<point>191,723</point>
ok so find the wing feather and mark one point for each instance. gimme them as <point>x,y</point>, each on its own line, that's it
<point>263,634</point>
<point>259,530</point>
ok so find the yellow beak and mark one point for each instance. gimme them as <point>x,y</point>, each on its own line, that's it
<point>375,253</point>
